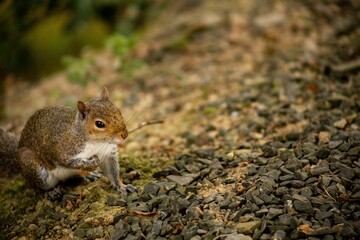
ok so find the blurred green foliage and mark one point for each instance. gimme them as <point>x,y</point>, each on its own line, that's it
<point>121,45</point>
<point>79,70</point>
<point>82,70</point>
<point>36,34</point>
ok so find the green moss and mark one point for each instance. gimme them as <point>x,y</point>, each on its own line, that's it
<point>16,200</point>
<point>146,166</point>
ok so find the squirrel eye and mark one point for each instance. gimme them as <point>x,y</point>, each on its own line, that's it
<point>99,124</point>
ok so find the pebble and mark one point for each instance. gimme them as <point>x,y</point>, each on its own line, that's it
<point>354,151</point>
<point>324,137</point>
<point>269,151</point>
<point>340,123</point>
<point>279,235</point>
<point>335,144</point>
<point>151,188</point>
<point>274,212</point>
<point>293,164</point>
<point>80,233</point>
<point>315,171</point>
<point>33,227</point>
<point>302,204</point>
<point>248,227</point>
<point>322,153</point>
<point>182,180</point>
<point>115,200</point>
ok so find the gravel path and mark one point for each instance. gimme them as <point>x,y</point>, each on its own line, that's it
<point>295,170</point>
<point>261,104</point>
<point>292,170</point>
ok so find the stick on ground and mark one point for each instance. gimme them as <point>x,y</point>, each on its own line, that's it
<point>143,124</point>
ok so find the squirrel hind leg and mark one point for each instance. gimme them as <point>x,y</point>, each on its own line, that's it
<point>33,170</point>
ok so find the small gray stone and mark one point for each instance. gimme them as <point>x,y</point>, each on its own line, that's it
<point>287,177</point>
<point>115,200</point>
<point>344,147</point>
<point>157,227</point>
<point>279,234</point>
<point>80,233</point>
<point>182,180</point>
<point>335,144</point>
<point>346,172</point>
<point>266,198</point>
<point>281,191</point>
<point>33,227</point>
<point>301,175</point>
<point>151,188</point>
<point>235,236</point>
<point>258,201</point>
<point>354,151</point>
<point>196,237</point>
<point>292,136</point>
<point>189,233</point>
<point>183,203</point>
<point>322,215</point>
<point>248,227</point>
<point>273,212</point>
<point>315,171</point>
<point>284,219</point>
<point>215,164</point>
<point>261,212</point>
<point>209,199</point>
<point>94,233</point>
<point>269,151</point>
<point>206,224</point>
<point>286,155</point>
<point>131,237</point>
<point>322,153</point>
<point>302,204</point>
<point>293,164</point>
<point>274,174</point>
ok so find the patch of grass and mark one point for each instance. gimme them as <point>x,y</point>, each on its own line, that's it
<point>121,46</point>
<point>146,166</point>
<point>80,70</point>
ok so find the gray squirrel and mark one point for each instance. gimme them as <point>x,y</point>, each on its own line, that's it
<point>58,143</point>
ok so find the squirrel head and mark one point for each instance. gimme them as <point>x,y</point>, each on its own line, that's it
<point>102,120</point>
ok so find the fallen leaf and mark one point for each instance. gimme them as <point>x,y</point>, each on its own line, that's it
<point>305,228</point>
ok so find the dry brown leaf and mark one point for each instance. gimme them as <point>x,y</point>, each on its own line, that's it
<point>305,228</point>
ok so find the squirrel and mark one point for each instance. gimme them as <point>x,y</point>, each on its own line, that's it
<point>58,143</point>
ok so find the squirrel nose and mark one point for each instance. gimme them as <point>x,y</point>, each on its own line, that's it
<point>124,134</point>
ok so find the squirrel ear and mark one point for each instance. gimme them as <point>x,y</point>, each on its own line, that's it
<point>82,108</point>
<point>104,94</point>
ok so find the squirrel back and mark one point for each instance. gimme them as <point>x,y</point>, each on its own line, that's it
<point>8,151</point>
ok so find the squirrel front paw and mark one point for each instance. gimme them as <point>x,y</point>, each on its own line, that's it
<point>93,162</point>
<point>92,176</point>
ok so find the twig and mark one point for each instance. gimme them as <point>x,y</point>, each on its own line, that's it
<point>346,66</point>
<point>143,124</point>
<point>328,194</point>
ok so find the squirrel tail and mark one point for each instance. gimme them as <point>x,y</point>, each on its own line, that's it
<point>8,150</point>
